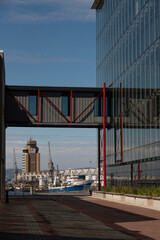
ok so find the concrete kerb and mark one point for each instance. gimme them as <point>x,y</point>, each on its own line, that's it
<point>129,199</point>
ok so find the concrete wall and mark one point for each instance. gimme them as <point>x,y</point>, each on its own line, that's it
<point>128,199</point>
<point>2,127</point>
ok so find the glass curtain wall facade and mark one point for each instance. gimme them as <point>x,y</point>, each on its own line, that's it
<point>128,52</point>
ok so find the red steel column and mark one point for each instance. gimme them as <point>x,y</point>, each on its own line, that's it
<point>121,95</point>
<point>38,105</point>
<point>71,106</point>
<point>104,132</point>
<point>99,166</point>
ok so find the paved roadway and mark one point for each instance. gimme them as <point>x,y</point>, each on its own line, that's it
<point>75,217</point>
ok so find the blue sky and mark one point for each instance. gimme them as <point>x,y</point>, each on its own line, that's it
<point>50,43</point>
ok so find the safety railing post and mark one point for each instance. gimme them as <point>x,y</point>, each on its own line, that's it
<point>104,132</point>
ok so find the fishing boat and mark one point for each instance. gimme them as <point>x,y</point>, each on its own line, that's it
<point>18,189</point>
<point>72,184</point>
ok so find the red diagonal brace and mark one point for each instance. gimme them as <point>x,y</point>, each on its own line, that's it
<point>140,111</point>
<point>88,106</point>
<point>57,109</point>
<point>156,120</point>
<point>24,108</point>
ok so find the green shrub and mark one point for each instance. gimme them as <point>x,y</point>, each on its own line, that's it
<point>146,191</point>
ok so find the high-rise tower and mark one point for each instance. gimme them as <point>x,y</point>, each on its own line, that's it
<point>31,158</point>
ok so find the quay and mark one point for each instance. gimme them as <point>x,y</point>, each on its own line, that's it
<point>75,217</point>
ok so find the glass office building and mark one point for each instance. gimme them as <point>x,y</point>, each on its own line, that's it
<point>128,52</point>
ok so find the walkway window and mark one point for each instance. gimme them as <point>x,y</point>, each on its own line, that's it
<point>33,105</point>
<point>66,105</point>
<point>155,107</point>
<point>98,107</point>
<point>111,109</point>
<point>118,107</point>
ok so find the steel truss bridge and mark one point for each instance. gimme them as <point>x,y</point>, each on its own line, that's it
<point>74,107</point>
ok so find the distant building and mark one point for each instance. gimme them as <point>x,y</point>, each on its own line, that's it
<point>31,158</point>
<point>92,174</point>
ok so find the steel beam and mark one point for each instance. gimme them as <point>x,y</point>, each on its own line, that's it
<point>2,127</point>
<point>97,4</point>
<point>56,125</point>
<point>121,96</point>
<point>99,166</point>
<point>71,105</point>
<point>115,145</point>
<point>38,105</point>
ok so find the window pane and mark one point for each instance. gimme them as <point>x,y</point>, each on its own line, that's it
<point>96,108</point>
<point>156,19</point>
<point>33,105</point>
<point>107,112</point>
<point>146,31</point>
<point>65,105</point>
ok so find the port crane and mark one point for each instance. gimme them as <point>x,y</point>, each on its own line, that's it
<point>50,164</point>
<point>15,166</point>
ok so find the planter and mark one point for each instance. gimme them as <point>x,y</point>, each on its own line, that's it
<point>130,199</point>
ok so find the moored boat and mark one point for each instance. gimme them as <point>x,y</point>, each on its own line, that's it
<point>72,184</point>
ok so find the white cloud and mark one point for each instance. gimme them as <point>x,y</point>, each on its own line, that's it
<point>20,2</point>
<point>50,10</point>
<point>31,58</point>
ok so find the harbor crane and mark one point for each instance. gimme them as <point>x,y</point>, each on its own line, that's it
<point>50,164</point>
<point>15,166</point>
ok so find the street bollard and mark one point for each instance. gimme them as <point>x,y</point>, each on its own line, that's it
<point>90,192</point>
<point>7,201</point>
<point>31,190</point>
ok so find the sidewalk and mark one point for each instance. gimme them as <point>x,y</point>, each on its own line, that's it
<point>71,218</point>
<point>140,222</point>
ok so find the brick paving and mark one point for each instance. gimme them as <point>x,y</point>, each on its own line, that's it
<point>74,218</point>
<point>140,222</point>
<point>149,228</point>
